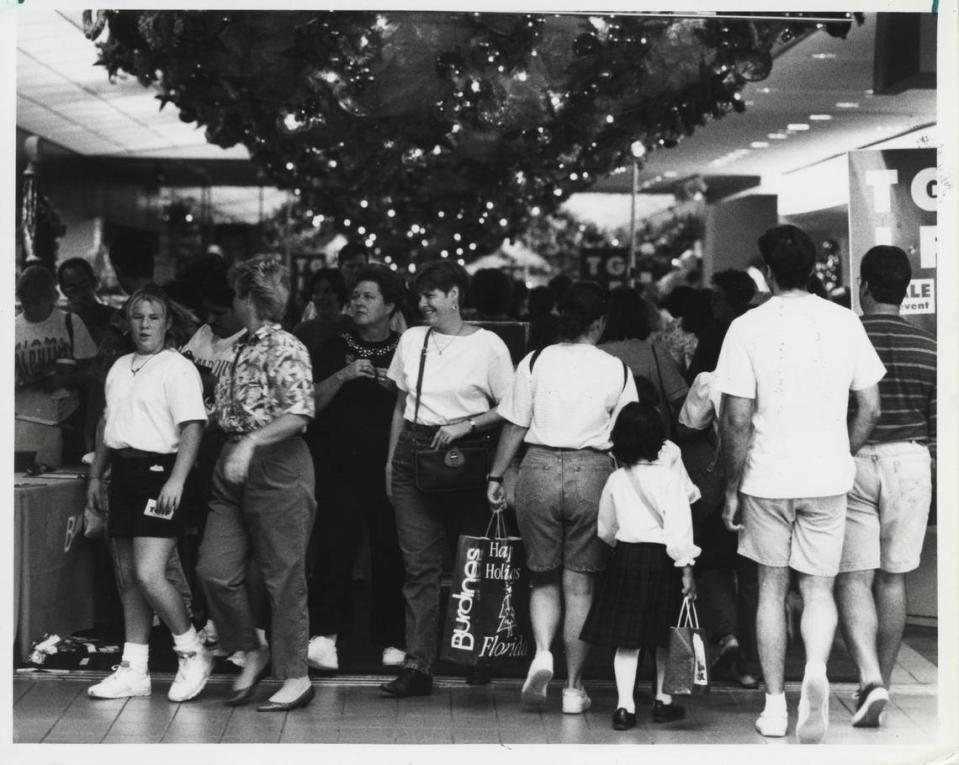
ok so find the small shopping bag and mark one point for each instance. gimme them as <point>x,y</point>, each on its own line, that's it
<point>687,664</point>
<point>487,615</point>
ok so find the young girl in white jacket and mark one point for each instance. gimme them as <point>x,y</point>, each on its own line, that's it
<point>644,514</point>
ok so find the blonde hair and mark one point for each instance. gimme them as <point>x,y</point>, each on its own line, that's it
<point>266,281</point>
<point>151,293</point>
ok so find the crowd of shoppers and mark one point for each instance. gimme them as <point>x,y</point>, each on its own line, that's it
<point>709,441</point>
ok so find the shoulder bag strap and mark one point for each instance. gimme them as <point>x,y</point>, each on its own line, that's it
<point>634,482</point>
<point>419,376</point>
<point>662,391</point>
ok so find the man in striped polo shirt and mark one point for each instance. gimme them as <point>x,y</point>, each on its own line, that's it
<point>888,506</point>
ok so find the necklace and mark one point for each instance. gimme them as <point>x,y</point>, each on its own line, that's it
<point>449,342</point>
<point>137,369</point>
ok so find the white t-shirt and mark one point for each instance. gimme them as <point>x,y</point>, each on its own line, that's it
<point>144,410</point>
<point>214,353</point>
<point>571,398</point>
<point>38,345</point>
<point>649,502</point>
<point>702,405</point>
<point>470,376</point>
<point>798,357</point>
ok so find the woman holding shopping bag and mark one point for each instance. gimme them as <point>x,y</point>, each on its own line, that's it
<point>262,503</point>
<point>449,376</point>
<point>563,403</point>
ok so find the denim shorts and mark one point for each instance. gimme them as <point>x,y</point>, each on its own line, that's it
<point>888,508</point>
<point>557,500</point>
<point>804,534</point>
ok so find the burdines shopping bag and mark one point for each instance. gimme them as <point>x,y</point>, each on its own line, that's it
<point>487,618</point>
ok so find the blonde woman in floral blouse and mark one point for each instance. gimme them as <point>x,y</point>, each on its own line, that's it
<point>262,503</point>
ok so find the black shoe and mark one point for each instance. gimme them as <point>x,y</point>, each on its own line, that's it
<point>872,701</point>
<point>478,676</point>
<point>285,706</point>
<point>623,720</point>
<point>410,682</point>
<point>726,658</point>
<point>667,712</point>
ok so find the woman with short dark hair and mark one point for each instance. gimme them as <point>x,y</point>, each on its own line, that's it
<point>465,371</point>
<point>562,404</point>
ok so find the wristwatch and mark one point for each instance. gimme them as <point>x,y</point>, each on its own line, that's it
<point>494,478</point>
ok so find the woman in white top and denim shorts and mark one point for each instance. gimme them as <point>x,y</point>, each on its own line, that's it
<point>563,403</point>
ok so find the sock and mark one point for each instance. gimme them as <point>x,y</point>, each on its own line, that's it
<point>624,668</point>
<point>665,698</point>
<point>331,637</point>
<point>775,704</point>
<point>188,642</point>
<point>261,636</point>
<point>137,655</point>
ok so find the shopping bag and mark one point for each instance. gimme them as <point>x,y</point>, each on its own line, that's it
<point>687,664</point>
<point>487,618</point>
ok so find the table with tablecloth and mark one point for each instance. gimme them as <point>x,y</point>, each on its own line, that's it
<point>53,561</point>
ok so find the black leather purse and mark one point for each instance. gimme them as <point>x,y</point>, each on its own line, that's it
<point>462,466</point>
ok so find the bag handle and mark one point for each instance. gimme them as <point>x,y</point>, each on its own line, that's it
<point>687,615</point>
<point>497,525</point>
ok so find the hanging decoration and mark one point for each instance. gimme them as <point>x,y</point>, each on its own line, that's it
<point>430,135</point>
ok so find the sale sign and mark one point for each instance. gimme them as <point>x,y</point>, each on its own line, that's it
<point>892,200</point>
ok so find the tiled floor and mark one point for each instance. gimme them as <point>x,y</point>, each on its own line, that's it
<point>55,709</point>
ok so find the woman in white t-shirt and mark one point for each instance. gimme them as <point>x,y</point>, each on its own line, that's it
<point>466,371</point>
<point>563,403</point>
<point>153,421</point>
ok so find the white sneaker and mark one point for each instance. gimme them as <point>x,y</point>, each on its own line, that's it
<point>393,657</point>
<point>321,654</point>
<point>537,679</point>
<point>123,683</point>
<point>192,675</point>
<point>813,709</point>
<point>772,725</point>
<point>575,701</point>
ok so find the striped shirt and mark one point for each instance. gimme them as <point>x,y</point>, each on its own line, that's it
<point>908,391</point>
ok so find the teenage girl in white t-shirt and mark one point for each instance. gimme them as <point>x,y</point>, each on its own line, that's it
<point>153,422</point>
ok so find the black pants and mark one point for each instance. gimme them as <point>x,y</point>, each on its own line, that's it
<point>351,496</point>
<point>727,590</point>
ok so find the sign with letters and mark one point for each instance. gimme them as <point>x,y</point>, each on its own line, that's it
<point>607,265</point>
<point>892,200</point>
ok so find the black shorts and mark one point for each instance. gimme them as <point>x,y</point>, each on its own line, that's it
<point>135,484</point>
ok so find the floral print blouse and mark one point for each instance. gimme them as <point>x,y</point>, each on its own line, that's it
<point>270,376</point>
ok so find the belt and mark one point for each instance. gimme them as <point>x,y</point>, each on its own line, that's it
<point>138,454</point>
<point>570,450</point>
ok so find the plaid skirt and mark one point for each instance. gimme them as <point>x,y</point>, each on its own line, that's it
<point>638,598</point>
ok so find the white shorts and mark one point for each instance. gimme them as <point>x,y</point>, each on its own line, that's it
<point>888,508</point>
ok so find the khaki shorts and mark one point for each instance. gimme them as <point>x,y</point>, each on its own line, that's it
<point>888,508</point>
<point>804,534</point>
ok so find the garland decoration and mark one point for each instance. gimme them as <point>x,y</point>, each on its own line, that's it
<point>430,135</point>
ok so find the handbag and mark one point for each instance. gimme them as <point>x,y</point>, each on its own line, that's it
<point>487,617</point>
<point>459,467</point>
<point>687,663</point>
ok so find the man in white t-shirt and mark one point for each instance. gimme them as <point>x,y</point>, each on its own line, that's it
<point>786,370</point>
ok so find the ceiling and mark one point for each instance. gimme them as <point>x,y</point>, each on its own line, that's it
<point>64,98</point>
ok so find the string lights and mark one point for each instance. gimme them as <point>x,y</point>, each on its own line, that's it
<point>437,132</point>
